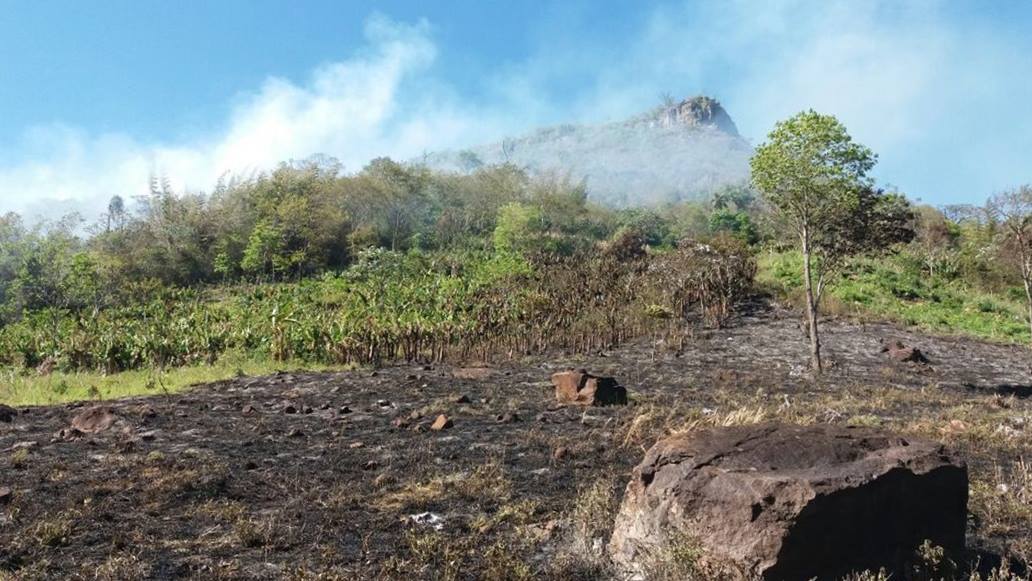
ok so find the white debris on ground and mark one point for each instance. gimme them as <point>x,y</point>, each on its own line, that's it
<point>428,519</point>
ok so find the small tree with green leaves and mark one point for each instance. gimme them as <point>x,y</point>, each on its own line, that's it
<point>263,252</point>
<point>1013,210</point>
<point>815,177</point>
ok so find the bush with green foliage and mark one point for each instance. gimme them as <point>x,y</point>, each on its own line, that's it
<point>388,305</point>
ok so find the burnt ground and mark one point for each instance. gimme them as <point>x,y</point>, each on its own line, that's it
<point>338,475</point>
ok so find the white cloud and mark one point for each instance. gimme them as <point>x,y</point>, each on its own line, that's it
<point>944,101</point>
<point>348,109</point>
<point>942,98</point>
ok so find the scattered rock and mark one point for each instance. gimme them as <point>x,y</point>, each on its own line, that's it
<point>289,409</point>
<point>897,351</point>
<point>307,409</point>
<point>508,418</point>
<point>295,433</point>
<point>344,410</point>
<point>371,465</point>
<point>441,423</point>
<point>146,411</point>
<point>560,453</point>
<point>582,388</point>
<point>356,445</point>
<point>69,435</point>
<point>149,436</point>
<point>383,403</point>
<point>542,532</point>
<point>7,413</point>
<point>5,495</point>
<point>460,399</point>
<point>400,423</point>
<point>794,502</point>
<point>415,415</point>
<point>249,410</point>
<point>93,420</point>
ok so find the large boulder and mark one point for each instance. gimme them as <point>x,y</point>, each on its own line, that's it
<point>783,502</point>
<point>582,388</point>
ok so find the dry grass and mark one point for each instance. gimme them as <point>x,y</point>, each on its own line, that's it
<point>487,481</point>
<point>313,507</point>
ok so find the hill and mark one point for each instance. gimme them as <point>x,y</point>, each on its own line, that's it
<point>679,151</point>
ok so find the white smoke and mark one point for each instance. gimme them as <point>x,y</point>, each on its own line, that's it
<point>942,96</point>
<point>351,110</point>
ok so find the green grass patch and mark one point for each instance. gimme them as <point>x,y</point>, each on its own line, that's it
<point>21,388</point>
<point>892,288</point>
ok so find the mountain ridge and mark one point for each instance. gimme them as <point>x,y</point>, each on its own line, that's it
<point>683,150</point>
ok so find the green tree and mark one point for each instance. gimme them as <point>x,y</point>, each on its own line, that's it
<point>469,161</point>
<point>1013,209</point>
<point>262,254</point>
<point>12,246</point>
<point>57,272</point>
<point>395,199</point>
<point>737,224</point>
<point>520,229</point>
<point>815,177</point>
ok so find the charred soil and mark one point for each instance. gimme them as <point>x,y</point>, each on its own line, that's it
<point>352,475</point>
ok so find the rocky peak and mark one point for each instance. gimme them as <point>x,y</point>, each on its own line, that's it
<point>700,111</point>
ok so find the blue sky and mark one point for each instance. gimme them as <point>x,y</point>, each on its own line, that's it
<point>96,96</point>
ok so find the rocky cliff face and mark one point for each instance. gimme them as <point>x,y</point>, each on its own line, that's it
<point>686,150</point>
<point>697,112</point>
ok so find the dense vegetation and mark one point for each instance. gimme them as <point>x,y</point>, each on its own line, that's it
<point>395,262</point>
<point>306,263</point>
<point>954,277</point>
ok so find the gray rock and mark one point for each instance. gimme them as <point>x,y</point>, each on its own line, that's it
<point>785,502</point>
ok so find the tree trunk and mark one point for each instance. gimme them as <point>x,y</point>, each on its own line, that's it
<point>811,307</point>
<point>1028,298</point>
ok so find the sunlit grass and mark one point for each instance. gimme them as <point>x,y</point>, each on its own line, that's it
<point>885,289</point>
<point>26,388</point>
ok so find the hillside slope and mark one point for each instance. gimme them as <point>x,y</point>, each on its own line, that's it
<point>682,151</point>
<point>338,476</point>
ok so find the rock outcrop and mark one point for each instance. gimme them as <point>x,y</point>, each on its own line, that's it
<point>582,388</point>
<point>679,151</point>
<point>897,351</point>
<point>93,420</point>
<point>783,503</point>
<point>698,111</point>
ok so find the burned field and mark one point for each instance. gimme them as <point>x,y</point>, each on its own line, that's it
<point>354,475</point>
